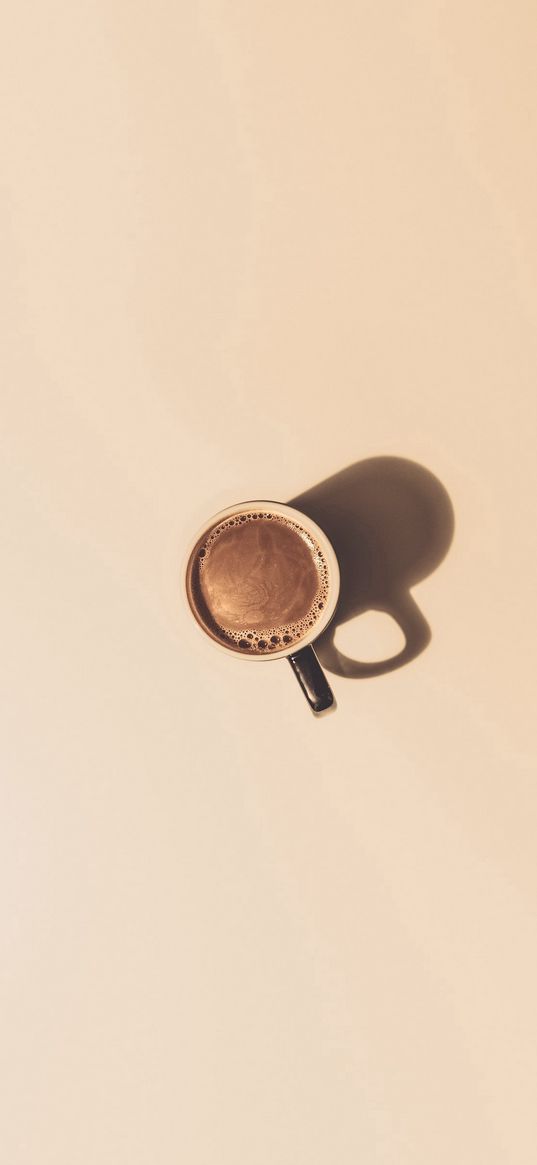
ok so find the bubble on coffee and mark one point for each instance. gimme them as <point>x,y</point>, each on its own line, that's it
<point>258,582</point>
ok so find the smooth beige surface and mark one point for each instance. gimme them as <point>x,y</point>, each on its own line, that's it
<point>243,246</point>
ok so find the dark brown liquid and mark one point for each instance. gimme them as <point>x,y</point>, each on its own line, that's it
<point>257,582</point>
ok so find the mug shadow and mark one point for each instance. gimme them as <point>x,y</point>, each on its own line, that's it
<point>391,523</point>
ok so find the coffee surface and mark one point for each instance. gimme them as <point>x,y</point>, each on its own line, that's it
<point>258,582</point>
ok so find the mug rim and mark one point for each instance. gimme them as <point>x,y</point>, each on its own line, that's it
<point>326,546</point>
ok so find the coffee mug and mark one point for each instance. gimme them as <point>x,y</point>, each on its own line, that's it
<point>262,582</point>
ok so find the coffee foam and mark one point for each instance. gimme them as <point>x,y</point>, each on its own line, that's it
<point>258,592</point>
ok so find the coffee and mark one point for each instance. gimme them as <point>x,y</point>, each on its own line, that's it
<point>258,582</point>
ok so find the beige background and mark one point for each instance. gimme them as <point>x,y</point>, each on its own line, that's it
<point>243,246</point>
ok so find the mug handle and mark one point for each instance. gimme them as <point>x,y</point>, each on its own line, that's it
<point>312,679</point>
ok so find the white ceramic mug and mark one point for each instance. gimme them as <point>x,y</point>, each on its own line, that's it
<point>301,656</point>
